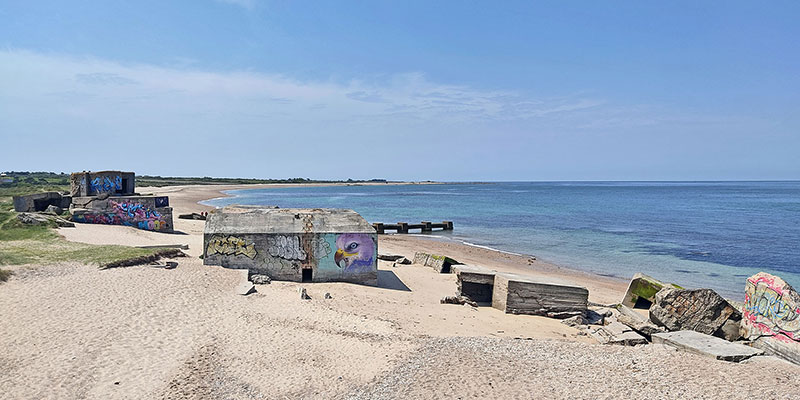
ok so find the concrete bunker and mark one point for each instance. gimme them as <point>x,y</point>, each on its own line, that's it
<point>475,283</point>
<point>108,197</point>
<point>300,245</point>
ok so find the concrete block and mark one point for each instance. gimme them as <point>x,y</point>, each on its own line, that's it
<point>771,316</point>
<point>701,310</point>
<point>706,345</point>
<point>313,245</point>
<point>439,263</point>
<point>642,291</point>
<point>555,298</point>
<point>475,283</point>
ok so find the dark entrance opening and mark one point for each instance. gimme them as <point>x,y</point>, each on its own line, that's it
<point>642,303</point>
<point>307,273</point>
<point>480,293</point>
<point>124,187</point>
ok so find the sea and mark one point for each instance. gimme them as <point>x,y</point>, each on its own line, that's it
<point>695,234</point>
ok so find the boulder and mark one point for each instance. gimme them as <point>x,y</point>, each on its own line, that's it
<point>642,291</point>
<point>701,310</point>
<point>705,345</point>
<point>616,333</point>
<point>771,316</point>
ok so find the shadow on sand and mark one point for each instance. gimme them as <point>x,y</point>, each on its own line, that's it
<point>388,280</point>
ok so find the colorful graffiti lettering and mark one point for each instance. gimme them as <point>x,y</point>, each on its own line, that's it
<point>772,307</point>
<point>127,213</point>
<point>106,184</point>
<point>355,252</point>
<point>231,246</point>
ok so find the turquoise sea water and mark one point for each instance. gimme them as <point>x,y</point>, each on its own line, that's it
<point>696,234</point>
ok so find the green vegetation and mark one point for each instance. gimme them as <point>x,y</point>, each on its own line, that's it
<point>26,244</point>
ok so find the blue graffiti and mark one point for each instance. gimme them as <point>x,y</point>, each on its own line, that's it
<point>106,185</point>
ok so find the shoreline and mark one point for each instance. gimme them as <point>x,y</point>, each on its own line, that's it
<point>602,289</point>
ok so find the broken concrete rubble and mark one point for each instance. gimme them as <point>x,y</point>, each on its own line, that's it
<point>642,291</point>
<point>771,316</point>
<point>457,300</point>
<point>701,310</point>
<point>637,322</point>
<point>705,345</point>
<point>616,333</point>
<point>40,201</point>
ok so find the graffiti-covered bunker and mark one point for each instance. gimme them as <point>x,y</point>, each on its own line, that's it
<point>108,197</point>
<point>301,245</point>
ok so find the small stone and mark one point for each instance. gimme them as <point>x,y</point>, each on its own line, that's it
<point>245,288</point>
<point>328,296</point>
<point>575,321</point>
<point>303,294</point>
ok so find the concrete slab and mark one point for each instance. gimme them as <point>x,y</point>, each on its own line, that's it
<point>706,345</point>
<point>616,333</point>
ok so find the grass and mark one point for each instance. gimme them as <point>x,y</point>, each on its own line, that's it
<point>40,244</point>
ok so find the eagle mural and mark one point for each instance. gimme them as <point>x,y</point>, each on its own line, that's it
<point>355,252</point>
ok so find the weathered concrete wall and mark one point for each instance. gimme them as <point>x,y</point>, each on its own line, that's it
<point>439,263</point>
<point>95,183</point>
<point>144,212</point>
<point>771,316</point>
<point>519,294</point>
<point>335,245</point>
<point>40,201</point>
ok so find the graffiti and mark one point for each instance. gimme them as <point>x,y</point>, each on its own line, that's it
<point>286,247</point>
<point>105,184</point>
<point>231,246</point>
<point>355,252</point>
<point>772,307</point>
<point>129,214</point>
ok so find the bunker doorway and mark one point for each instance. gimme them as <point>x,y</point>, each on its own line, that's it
<point>480,293</point>
<point>307,274</point>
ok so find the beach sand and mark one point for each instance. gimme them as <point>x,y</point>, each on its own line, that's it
<point>74,331</point>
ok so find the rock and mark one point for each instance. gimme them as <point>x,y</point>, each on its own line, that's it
<point>403,260</point>
<point>617,333</point>
<point>706,345</point>
<point>192,216</point>
<point>62,223</point>
<point>701,310</point>
<point>260,279</point>
<point>642,291</point>
<point>245,288</point>
<point>575,321</point>
<point>771,316</point>
<point>328,296</point>
<point>303,294</point>
<point>637,322</point>
<point>166,265</point>
<point>389,257</point>
<point>32,219</point>
<point>551,297</point>
<point>55,210</point>
<point>457,300</point>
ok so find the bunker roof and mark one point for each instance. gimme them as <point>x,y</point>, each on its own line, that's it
<point>237,219</point>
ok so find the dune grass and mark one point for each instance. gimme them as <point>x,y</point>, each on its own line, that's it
<point>40,244</point>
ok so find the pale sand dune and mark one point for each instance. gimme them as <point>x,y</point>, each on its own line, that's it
<point>73,331</point>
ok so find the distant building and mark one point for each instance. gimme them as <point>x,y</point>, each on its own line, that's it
<point>6,179</point>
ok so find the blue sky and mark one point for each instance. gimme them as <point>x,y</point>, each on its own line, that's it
<point>403,90</point>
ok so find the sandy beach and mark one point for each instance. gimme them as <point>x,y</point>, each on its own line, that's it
<point>74,331</point>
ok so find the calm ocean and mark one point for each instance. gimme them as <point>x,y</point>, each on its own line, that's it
<point>696,234</point>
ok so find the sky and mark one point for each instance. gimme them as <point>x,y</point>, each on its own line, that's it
<point>403,90</point>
